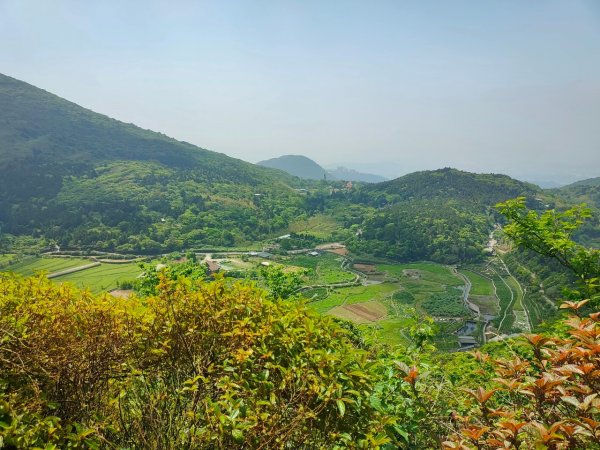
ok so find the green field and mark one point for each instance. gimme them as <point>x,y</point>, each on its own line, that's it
<point>102,278</point>
<point>31,266</point>
<point>6,258</point>
<point>393,330</point>
<point>355,294</point>
<point>98,279</point>
<point>408,286</point>
<point>320,226</point>
<point>480,285</point>
<point>323,269</point>
<point>429,272</point>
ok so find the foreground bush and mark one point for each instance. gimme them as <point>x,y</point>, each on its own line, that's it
<point>202,366</point>
<point>545,399</point>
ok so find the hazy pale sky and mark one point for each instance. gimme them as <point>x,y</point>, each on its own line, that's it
<point>390,86</point>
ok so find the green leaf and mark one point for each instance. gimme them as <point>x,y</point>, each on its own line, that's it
<point>238,435</point>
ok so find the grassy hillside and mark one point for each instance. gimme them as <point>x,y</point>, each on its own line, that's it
<point>87,180</point>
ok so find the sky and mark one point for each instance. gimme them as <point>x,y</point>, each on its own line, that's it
<point>510,86</point>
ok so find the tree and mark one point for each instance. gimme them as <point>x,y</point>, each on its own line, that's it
<point>550,234</point>
<point>545,395</point>
<point>280,284</point>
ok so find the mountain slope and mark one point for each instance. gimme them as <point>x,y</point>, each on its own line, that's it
<point>91,181</point>
<point>297,165</point>
<point>443,215</point>
<point>588,192</point>
<point>343,173</point>
<point>588,182</point>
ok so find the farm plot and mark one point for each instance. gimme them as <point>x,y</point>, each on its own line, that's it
<point>480,285</point>
<point>387,309</point>
<point>421,272</point>
<point>6,258</point>
<point>360,313</point>
<point>320,226</point>
<point>31,266</point>
<point>323,269</point>
<point>488,304</point>
<point>352,295</point>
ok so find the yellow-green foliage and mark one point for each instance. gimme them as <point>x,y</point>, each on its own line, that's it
<point>203,365</point>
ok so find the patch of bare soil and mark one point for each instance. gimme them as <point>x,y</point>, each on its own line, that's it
<point>412,273</point>
<point>366,311</point>
<point>365,268</point>
<point>121,293</point>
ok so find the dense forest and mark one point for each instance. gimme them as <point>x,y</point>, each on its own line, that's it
<point>443,215</point>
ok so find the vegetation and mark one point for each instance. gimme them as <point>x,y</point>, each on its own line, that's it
<point>87,181</point>
<point>448,304</point>
<point>549,234</point>
<point>443,215</point>
<point>29,266</point>
<point>199,365</point>
<point>192,362</point>
<point>323,269</point>
<point>480,285</point>
<point>226,365</point>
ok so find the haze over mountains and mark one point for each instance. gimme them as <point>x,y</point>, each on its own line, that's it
<point>304,167</point>
<point>89,181</point>
<point>155,294</point>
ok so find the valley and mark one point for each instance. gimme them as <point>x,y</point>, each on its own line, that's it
<point>469,305</point>
<point>385,256</point>
<point>299,225</point>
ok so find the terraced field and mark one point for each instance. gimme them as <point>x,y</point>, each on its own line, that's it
<point>483,293</point>
<point>323,269</point>
<point>100,278</point>
<point>31,266</point>
<point>353,295</point>
<point>386,309</point>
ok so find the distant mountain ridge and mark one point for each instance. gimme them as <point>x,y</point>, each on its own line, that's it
<point>343,173</point>
<point>306,168</point>
<point>298,165</point>
<point>588,182</point>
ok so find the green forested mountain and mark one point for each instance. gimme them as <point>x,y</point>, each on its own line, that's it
<point>343,173</point>
<point>588,192</point>
<point>443,215</point>
<point>588,182</point>
<point>297,165</point>
<point>87,180</point>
